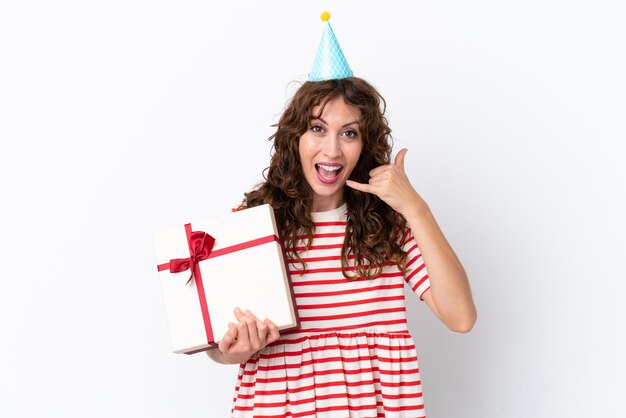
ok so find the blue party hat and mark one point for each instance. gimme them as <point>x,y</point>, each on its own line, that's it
<point>329,64</point>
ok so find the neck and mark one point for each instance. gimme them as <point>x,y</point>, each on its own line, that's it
<point>322,205</point>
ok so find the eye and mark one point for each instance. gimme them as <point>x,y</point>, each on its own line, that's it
<point>317,128</point>
<point>351,134</point>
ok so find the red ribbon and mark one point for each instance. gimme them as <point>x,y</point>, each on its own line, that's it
<point>200,248</point>
<point>200,245</point>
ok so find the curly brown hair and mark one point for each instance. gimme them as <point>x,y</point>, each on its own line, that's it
<point>374,229</point>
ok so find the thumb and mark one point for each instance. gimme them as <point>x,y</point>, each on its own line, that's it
<point>399,160</point>
<point>229,338</point>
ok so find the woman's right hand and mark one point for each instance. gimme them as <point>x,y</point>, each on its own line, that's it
<point>246,337</point>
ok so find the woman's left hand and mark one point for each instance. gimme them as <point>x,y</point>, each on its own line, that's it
<point>390,183</point>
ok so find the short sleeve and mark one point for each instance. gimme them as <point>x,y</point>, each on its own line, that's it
<point>416,275</point>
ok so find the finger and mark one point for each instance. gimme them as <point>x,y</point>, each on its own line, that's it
<point>378,179</point>
<point>360,186</point>
<point>239,314</point>
<point>380,169</point>
<point>261,328</point>
<point>263,331</point>
<point>248,314</point>
<point>274,334</point>
<point>253,332</point>
<point>242,333</point>
<point>229,338</point>
<point>399,160</point>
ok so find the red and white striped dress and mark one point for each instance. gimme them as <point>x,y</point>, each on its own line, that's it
<point>353,355</point>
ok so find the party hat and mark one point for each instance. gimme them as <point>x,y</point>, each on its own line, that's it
<point>329,61</point>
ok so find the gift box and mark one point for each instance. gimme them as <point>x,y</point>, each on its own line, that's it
<point>210,267</point>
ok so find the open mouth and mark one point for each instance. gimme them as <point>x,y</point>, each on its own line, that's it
<point>328,173</point>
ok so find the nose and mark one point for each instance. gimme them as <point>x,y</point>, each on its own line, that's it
<point>332,146</point>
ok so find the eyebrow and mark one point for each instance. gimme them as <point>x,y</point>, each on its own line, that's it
<point>343,126</point>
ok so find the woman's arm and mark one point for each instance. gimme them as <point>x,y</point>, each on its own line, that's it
<point>449,297</point>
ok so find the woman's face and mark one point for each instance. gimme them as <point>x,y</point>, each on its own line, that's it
<point>329,151</point>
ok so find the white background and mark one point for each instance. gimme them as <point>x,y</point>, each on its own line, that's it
<point>121,118</point>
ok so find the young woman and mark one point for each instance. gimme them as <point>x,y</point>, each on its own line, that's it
<point>352,223</point>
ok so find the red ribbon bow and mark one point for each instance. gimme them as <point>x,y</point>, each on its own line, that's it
<point>200,245</point>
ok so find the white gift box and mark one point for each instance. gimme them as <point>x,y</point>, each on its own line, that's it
<point>245,268</point>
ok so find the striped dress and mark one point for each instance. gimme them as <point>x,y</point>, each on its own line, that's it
<point>353,355</point>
